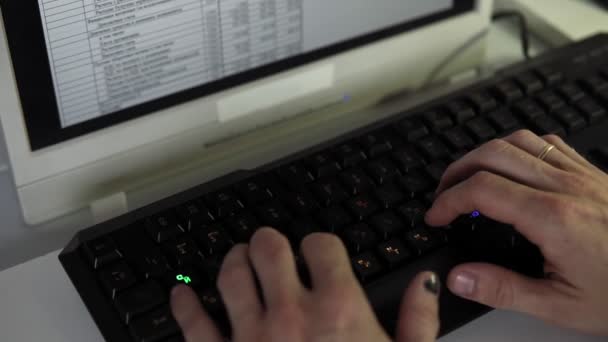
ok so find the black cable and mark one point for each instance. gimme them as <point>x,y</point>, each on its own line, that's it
<point>523,27</point>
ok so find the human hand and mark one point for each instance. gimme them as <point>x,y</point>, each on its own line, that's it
<point>560,204</point>
<point>334,310</point>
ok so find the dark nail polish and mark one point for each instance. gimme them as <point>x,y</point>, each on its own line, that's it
<point>433,285</point>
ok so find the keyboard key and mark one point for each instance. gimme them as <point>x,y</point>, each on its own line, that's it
<point>550,76</point>
<point>483,102</point>
<point>184,275</point>
<point>387,224</point>
<point>411,130</point>
<point>595,84</point>
<point>413,213</point>
<point>529,110</point>
<point>392,138</point>
<point>116,278</point>
<point>460,111</point>
<point>359,238</point>
<point>334,218</point>
<point>433,148</point>
<point>420,240</point>
<point>458,139</point>
<point>436,170</point>
<point>302,203</point>
<point>455,156</point>
<point>362,207</point>
<point>150,263</point>
<point>393,252</point>
<point>429,198</point>
<point>603,96</point>
<point>224,203</point>
<point>101,252</point>
<point>600,157</point>
<point>382,171</point>
<point>570,117</point>
<point>529,83</point>
<point>374,145</point>
<point>181,251</point>
<point>546,125</point>
<point>571,92</point>
<point>407,160</point>
<point>592,111</point>
<point>604,71</point>
<point>496,237</point>
<point>414,185</point>
<point>504,120</point>
<point>481,130</point>
<point>192,214</point>
<point>209,268</point>
<point>508,92</point>
<point>299,229</point>
<point>470,222</point>
<point>388,196</point>
<point>366,266</point>
<point>321,165</point>
<point>163,227</point>
<point>295,176</point>
<point>349,155</point>
<point>242,227</point>
<point>213,240</point>
<point>254,192</point>
<point>437,120</point>
<point>274,215</point>
<point>154,326</point>
<point>140,299</point>
<point>550,101</point>
<point>356,181</point>
<point>329,192</point>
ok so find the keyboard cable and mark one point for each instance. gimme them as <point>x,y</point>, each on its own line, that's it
<point>524,30</point>
<point>496,17</point>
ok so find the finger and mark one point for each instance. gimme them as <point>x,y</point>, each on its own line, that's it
<point>534,145</point>
<point>196,325</point>
<point>327,261</point>
<point>275,266</point>
<point>529,210</point>
<point>419,316</point>
<point>504,289</point>
<point>237,285</point>
<point>502,158</point>
<point>568,151</point>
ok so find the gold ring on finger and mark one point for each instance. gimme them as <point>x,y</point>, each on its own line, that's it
<point>545,152</point>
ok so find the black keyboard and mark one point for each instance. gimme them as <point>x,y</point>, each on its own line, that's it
<point>370,187</point>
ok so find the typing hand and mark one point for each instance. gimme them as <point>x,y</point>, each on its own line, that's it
<point>334,310</point>
<point>560,204</point>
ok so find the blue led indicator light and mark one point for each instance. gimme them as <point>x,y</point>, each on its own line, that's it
<point>475,214</point>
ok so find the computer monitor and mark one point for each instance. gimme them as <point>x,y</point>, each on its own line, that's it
<point>100,97</point>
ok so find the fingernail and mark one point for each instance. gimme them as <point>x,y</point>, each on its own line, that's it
<point>464,284</point>
<point>433,285</point>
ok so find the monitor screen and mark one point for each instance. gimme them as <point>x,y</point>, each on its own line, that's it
<point>113,60</point>
<point>111,55</point>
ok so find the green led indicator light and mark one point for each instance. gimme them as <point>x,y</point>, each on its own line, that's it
<point>185,279</point>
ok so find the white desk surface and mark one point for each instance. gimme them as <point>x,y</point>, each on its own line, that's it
<point>38,302</point>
